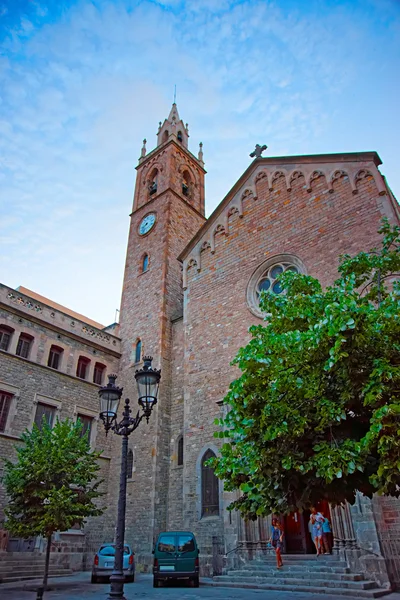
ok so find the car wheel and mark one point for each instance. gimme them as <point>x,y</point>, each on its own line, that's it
<point>94,579</point>
<point>195,582</point>
<point>156,583</point>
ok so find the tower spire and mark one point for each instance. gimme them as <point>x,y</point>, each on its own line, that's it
<point>173,127</point>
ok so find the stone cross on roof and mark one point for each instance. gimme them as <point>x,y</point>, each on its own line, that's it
<point>258,151</point>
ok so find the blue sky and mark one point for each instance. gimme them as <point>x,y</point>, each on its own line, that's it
<point>83,82</point>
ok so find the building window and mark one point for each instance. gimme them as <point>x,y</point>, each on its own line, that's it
<point>5,403</point>
<point>266,279</point>
<point>129,464</point>
<point>209,488</point>
<point>98,374</point>
<point>86,425</point>
<point>55,355</point>
<point>179,136</point>
<point>145,263</point>
<point>180,451</point>
<point>82,367</point>
<point>44,412</point>
<point>269,279</point>
<point>138,351</point>
<point>24,345</point>
<point>165,136</point>
<point>186,184</point>
<point>153,182</point>
<point>5,336</point>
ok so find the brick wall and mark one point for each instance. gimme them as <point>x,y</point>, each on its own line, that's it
<point>316,226</point>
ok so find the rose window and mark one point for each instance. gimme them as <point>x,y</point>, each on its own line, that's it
<point>268,281</point>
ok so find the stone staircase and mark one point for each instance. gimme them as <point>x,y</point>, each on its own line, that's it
<point>21,566</point>
<point>301,573</point>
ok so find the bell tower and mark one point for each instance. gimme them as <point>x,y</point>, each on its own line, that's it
<point>171,167</point>
<point>168,209</point>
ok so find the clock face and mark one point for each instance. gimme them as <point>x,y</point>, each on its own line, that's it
<point>147,223</point>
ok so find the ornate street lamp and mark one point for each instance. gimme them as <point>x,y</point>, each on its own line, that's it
<point>147,380</point>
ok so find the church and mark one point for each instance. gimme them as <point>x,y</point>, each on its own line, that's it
<point>190,293</point>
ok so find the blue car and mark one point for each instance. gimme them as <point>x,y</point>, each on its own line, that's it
<point>103,563</point>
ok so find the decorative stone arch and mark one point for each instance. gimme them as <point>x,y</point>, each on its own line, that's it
<point>277,259</point>
<point>277,175</point>
<point>219,228</point>
<point>199,464</point>
<point>249,192</point>
<point>263,175</point>
<point>361,174</point>
<point>205,245</point>
<point>234,209</point>
<point>336,175</point>
<point>296,174</point>
<point>312,176</point>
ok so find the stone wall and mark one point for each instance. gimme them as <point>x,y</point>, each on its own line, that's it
<point>30,381</point>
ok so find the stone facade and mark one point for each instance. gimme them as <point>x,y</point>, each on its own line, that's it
<point>188,299</point>
<point>31,382</point>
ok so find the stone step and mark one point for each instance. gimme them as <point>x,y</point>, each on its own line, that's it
<point>296,574</point>
<point>32,574</point>
<point>314,589</point>
<point>23,577</point>
<point>30,566</point>
<point>320,560</point>
<point>296,568</point>
<point>317,582</point>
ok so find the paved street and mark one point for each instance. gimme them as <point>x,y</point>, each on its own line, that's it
<point>79,587</point>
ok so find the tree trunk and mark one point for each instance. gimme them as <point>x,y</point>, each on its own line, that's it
<point>46,566</point>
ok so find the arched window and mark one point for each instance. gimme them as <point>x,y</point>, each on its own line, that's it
<point>5,336</point>
<point>145,263</point>
<point>180,451</point>
<point>138,351</point>
<point>179,136</point>
<point>153,182</point>
<point>186,184</point>
<point>129,464</point>
<point>209,487</point>
<point>165,135</point>
<point>24,345</point>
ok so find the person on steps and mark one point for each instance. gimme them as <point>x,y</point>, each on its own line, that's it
<point>326,535</point>
<point>276,540</point>
<point>316,520</point>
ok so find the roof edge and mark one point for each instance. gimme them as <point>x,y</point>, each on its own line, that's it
<point>371,155</point>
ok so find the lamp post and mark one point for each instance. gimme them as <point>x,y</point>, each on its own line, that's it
<point>147,380</point>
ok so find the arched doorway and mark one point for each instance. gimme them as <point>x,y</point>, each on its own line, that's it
<point>297,534</point>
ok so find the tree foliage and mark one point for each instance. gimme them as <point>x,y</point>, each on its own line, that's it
<point>316,412</point>
<point>53,484</point>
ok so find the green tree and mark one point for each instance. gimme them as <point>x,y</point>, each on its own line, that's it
<point>316,412</point>
<point>53,483</point>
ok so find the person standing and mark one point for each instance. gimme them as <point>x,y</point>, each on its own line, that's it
<point>326,535</point>
<point>277,534</point>
<point>316,520</point>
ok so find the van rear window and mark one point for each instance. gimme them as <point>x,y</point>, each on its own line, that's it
<point>185,543</point>
<point>110,550</point>
<point>166,543</point>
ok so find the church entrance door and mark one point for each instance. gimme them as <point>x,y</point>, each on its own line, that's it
<point>297,534</point>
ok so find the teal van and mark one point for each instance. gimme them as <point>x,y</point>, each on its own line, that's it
<point>176,556</point>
